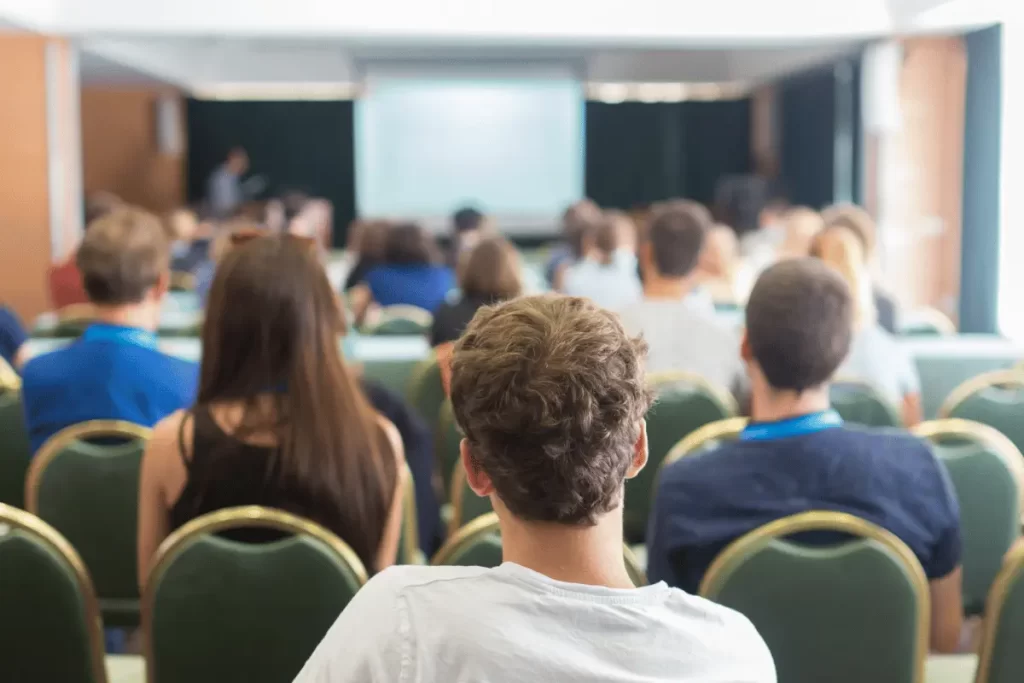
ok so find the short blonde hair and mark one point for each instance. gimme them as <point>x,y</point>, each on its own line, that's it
<point>123,254</point>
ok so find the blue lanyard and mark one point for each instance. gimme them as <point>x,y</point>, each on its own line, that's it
<point>120,335</point>
<point>796,426</point>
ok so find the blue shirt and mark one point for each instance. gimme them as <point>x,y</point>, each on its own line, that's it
<point>707,500</point>
<point>419,285</point>
<point>112,373</point>
<point>12,335</point>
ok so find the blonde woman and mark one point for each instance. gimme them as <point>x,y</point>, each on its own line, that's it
<point>875,355</point>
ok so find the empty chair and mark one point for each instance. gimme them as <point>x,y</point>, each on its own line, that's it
<point>987,473</point>
<point>862,403</point>
<point>51,628</point>
<point>1001,659</point>
<point>852,612</point>
<point>995,399</point>
<point>15,452</point>
<point>401,319</point>
<point>217,609</point>
<point>685,402</point>
<point>89,492</point>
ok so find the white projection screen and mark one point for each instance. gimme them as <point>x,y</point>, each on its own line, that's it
<point>508,141</point>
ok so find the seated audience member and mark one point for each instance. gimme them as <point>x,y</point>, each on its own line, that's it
<point>368,249</point>
<point>607,274</point>
<point>12,338</point>
<point>114,370</point>
<point>489,273</point>
<point>64,279</point>
<point>719,268</point>
<point>577,221</point>
<point>859,221</point>
<point>800,224</point>
<point>759,247</point>
<point>682,335</point>
<point>410,273</point>
<point>187,252</point>
<point>551,396</point>
<point>279,419</point>
<point>468,227</point>
<point>797,455</point>
<point>875,355</point>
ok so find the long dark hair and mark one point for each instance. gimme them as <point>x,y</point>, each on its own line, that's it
<point>272,329</point>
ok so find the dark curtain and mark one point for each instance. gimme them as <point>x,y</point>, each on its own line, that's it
<point>297,146</point>
<point>979,277</point>
<point>638,153</point>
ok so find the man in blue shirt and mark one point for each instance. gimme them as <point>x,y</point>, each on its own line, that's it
<point>797,455</point>
<point>114,371</point>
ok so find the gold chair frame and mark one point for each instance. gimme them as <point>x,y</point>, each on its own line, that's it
<point>727,400</point>
<point>817,520</point>
<point>998,378</point>
<point>31,524</point>
<point>420,316</point>
<point>55,445</point>
<point>1009,574</point>
<point>875,392</point>
<point>221,520</point>
<point>933,316</point>
<point>9,379</point>
<point>183,281</point>
<point>728,428</point>
<point>410,521</point>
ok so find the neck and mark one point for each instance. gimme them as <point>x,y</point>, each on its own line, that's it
<point>658,287</point>
<point>144,315</point>
<point>770,405</point>
<point>588,555</point>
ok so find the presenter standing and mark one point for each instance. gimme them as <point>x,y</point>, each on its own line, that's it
<point>225,189</point>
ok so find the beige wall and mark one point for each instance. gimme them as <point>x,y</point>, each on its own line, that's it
<point>120,153</point>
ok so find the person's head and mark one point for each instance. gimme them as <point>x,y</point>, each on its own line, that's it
<point>408,244</point>
<point>238,160</point>
<point>579,222</point>
<point>99,204</point>
<point>799,323</point>
<point>467,219</point>
<point>270,343</point>
<point>675,238</point>
<point>125,259</point>
<point>841,249</point>
<point>551,395</point>
<point>855,219</point>
<point>771,212</point>
<point>606,239</point>
<point>800,224</point>
<point>490,271</point>
<point>625,230</point>
<point>718,257</point>
<point>181,224</point>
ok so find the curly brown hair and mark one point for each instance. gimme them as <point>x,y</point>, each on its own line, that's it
<point>550,393</point>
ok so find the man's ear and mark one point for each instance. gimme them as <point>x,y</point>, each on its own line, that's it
<point>639,452</point>
<point>475,476</point>
<point>745,352</point>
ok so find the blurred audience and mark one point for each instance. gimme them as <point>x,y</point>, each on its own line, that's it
<point>489,273</point>
<point>875,355</point>
<point>12,338</point>
<point>681,330</point>
<point>64,279</point>
<point>225,192</point>
<point>468,227</point>
<point>367,247</point>
<point>279,419</point>
<point>759,247</point>
<point>720,271</point>
<point>115,370</point>
<point>800,224</point>
<point>551,396</point>
<point>187,252</point>
<point>577,223</point>
<point>607,273</point>
<point>796,455</point>
<point>411,273</point>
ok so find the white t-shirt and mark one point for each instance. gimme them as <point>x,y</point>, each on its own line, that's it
<point>513,625</point>
<point>609,285</point>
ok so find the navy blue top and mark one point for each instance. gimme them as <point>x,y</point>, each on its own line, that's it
<point>420,285</point>
<point>12,334</point>
<point>109,373</point>
<point>707,500</point>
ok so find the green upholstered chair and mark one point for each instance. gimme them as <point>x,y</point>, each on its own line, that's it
<point>89,492</point>
<point>447,447</point>
<point>862,403</point>
<point>995,399</point>
<point>401,320</point>
<point>51,628</point>
<point>706,438</point>
<point>393,374</point>
<point>685,403</point>
<point>1001,659</point>
<point>987,472</point>
<point>478,544</point>
<point>848,613</point>
<point>426,391</point>
<point>926,322</point>
<point>15,451</point>
<point>219,610</point>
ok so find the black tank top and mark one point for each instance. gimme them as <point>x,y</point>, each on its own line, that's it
<point>224,472</point>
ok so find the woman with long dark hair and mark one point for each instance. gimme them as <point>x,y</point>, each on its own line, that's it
<point>280,420</point>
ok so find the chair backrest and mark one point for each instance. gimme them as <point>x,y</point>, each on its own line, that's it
<point>478,544</point>
<point>51,628</point>
<point>708,436</point>
<point>89,492</point>
<point>217,610</point>
<point>15,450</point>
<point>426,391</point>
<point>446,447</point>
<point>401,320</point>
<point>409,542</point>
<point>1001,659</point>
<point>860,402</point>
<point>995,399</point>
<point>847,613</point>
<point>685,403</point>
<point>926,322</point>
<point>183,281</point>
<point>73,319</point>
<point>987,472</point>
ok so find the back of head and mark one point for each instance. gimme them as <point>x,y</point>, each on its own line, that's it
<point>801,224</point>
<point>491,272</point>
<point>718,256</point>
<point>467,219</point>
<point>855,219</point>
<point>841,249</point>
<point>799,324</point>
<point>272,328</point>
<point>579,222</point>
<point>607,238</point>
<point>676,237</point>
<point>408,244</point>
<point>550,392</point>
<point>123,255</point>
